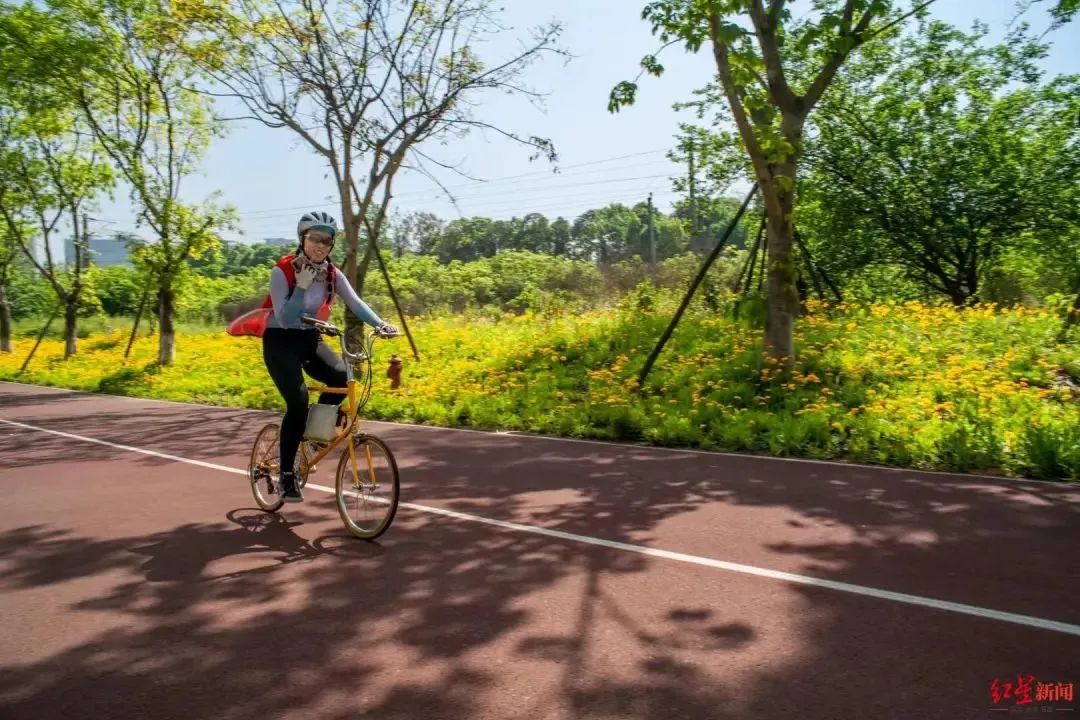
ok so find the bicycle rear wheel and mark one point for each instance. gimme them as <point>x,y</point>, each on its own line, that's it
<point>263,469</point>
<point>367,486</point>
<point>264,466</point>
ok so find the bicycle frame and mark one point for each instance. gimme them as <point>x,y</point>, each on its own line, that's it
<point>349,391</point>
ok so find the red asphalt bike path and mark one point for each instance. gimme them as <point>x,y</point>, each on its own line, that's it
<point>134,585</point>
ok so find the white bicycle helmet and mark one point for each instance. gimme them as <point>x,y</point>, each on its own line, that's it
<point>316,220</point>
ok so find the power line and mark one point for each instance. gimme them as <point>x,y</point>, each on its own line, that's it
<point>558,183</point>
<point>530,177</point>
<point>269,213</point>
<point>572,211</point>
<point>579,204</point>
<point>579,165</point>
<point>553,186</point>
<point>517,192</point>
<point>470,184</point>
<point>538,192</point>
<point>555,205</point>
<point>579,197</point>
<point>481,205</point>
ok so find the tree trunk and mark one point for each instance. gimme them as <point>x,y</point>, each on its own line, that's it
<point>152,318</point>
<point>782,298</point>
<point>352,240</point>
<point>138,317</point>
<point>356,273</point>
<point>1071,319</point>
<point>958,295</point>
<point>71,309</point>
<point>361,270</point>
<point>5,322</point>
<point>353,325</point>
<point>167,338</point>
<point>972,282</point>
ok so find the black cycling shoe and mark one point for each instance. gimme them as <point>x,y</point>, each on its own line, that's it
<point>290,492</point>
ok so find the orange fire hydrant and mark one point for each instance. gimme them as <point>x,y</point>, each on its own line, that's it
<point>394,371</point>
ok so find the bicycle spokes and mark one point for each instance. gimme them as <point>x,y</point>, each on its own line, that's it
<point>367,486</point>
<point>263,468</point>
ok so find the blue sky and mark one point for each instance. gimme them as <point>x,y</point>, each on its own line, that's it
<point>270,176</point>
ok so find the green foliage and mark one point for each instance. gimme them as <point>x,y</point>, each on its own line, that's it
<point>223,260</point>
<point>513,280</point>
<point>28,293</point>
<point>114,70</point>
<point>118,288</point>
<point>920,386</point>
<point>1052,451</point>
<point>603,235</point>
<point>949,160</point>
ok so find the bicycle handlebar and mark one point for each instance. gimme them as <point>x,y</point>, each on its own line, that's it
<point>333,331</point>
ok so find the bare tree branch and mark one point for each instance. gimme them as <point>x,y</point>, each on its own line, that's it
<point>832,65</point>
<point>765,29</point>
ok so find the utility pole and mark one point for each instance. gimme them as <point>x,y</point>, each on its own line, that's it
<point>82,248</point>
<point>652,234</point>
<point>693,287</point>
<point>693,192</point>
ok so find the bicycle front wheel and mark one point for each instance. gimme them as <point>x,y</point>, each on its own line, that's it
<point>367,486</point>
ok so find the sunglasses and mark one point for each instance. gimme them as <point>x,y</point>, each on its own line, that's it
<point>320,239</point>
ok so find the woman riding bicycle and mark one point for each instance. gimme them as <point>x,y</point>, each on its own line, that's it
<point>305,284</point>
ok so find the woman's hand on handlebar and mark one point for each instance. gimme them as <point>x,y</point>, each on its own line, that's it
<point>386,330</point>
<point>323,327</point>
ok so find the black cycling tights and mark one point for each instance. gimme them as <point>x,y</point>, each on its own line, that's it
<point>287,354</point>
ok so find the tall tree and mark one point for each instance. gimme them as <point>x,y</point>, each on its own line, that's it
<point>50,173</point>
<point>773,71</point>
<point>532,233</point>
<point>607,235</point>
<point>936,153</point>
<point>117,61</point>
<point>414,232</point>
<point>471,238</point>
<point>713,162</point>
<point>8,252</point>
<point>366,84</point>
<point>1061,11</point>
<point>424,230</point>
<point>562,236</point>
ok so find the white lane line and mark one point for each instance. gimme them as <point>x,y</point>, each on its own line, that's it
<point>918,600</point>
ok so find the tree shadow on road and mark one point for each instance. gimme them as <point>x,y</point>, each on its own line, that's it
<point>247,616</point>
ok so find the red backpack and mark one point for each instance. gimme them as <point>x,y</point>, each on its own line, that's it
<point>254,322</point>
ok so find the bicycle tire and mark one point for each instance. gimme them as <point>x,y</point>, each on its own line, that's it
<point>345,490</point>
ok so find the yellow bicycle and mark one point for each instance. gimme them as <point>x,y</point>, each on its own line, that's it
<point>366,482</point>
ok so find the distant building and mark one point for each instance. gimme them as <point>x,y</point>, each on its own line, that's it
<point>37,250</point>
<point>280,242</point>
<point>104,251</point>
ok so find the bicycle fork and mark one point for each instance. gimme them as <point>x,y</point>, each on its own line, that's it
<point>356,470</point>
